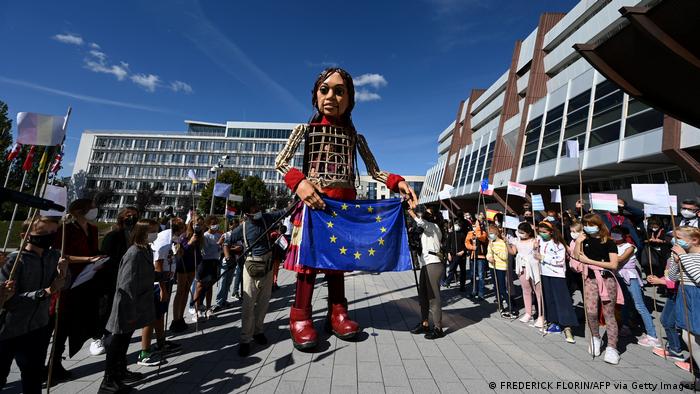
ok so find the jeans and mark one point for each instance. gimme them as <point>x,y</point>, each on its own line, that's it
<point>668,321</point>
<point>634,291</point>
<point>460,262</point>
<point>502,287</point>
<point>227,273</point>
<point>478,275</point>
<point>29,352</point>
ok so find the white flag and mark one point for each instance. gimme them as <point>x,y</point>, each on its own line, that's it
<point>652,194</point>
<point>556,195</point>
<point>511,222</point>
<point>58,195</point>
<point>446,192</point>
<point>572,148</point>
<point>517,189</point>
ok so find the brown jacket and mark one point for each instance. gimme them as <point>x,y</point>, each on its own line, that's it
<point>472,238</point>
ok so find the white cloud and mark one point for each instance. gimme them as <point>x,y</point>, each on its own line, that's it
<point>100,66</point>
<point>148,82</point>
<point>179,86</point>
<point>374,80</point>
<point>101,56</point>
<point>69,38</point>
<point>94,45</point>
<point>363,95</point>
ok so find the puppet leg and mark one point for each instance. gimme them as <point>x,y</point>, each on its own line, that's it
<point>338,320</point>
<point>301,326</point>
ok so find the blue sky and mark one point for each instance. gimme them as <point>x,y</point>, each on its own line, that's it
<point>137,65</point>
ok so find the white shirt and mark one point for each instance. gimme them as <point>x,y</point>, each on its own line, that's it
<point>553,259</point>
<point>430,242</point>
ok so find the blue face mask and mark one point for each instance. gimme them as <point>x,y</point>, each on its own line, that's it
<point>590,229</point>
<point>683,244</point>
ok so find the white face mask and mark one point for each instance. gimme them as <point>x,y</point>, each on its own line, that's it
<point>91,214</point>
<point>152,237</point>
<point>688,214</point>
<point>522,235</point>
<point>214,227</point>
<point>457,228</point>
<point>492,237</point>
<point>173,248</point>
<point>575,235</point>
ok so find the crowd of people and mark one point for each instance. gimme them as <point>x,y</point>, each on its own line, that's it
<point>610,257</point>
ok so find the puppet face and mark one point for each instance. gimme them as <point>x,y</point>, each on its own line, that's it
<point>332,96</point>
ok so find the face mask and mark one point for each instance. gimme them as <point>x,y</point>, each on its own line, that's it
<point>152,237</point>
<point>497,223</point>
<point>574,235</point>
<point>91,214</point>
<point>682,243</point>
<point>545,236</point>
<point>492,236</point>
<point>173,248</point>
<point>130,221</point>
<point>616,237</point>
<point>522,235</point>
<point>214,227</point>
<point>527,217</point>
<point>43,241</point>
<point>457,228</point>
<point>654,229</point>
<point>551,218</point>
<point>590,229</point>
<point>687,213</point>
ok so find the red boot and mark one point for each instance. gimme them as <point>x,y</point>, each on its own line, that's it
<point>301,327</point>
<point>340,323</point>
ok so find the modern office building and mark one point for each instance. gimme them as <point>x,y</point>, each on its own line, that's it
<point>372,189</point>
<point>517,128</point>
<point>126,161</point>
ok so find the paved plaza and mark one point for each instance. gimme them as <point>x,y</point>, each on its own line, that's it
<point>480,348</point>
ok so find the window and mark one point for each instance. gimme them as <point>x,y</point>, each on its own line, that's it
<point>577,120</point>
<point>163,158</point>
<point>191,145</point>
<point>190,159</point>
<point>475,165</point>
<point>176,158</point>
<point>259,161</point>
<point>465,171</point>
<point>98,156</point>
<point>118,185</point>
<point>94,170</point>
<point>173,172</point>
<point>532,137</point>
<point>489,159</point>
<point>91,183</point>
<point>130,185</point>
<point>137,171</point>
<point>140,144</point>
<point>641,118</point>
<point>166,144</point>
<point>607,112</point>
<point>205,145</point>
<point>121,171</point>
<point>161,172</point>
<point>107,170</point>
<point>152,144</point>
<point>150,158</point>
<point>246,146</point>
<point>101,143</point>
<point>218,146</point>
<point>550,139</point>
<point>245,160</point>
<point>148,172</point>
<point>137,157</point>
<point>185,186</point>
<point>179,144</point>
<point>203,159</point>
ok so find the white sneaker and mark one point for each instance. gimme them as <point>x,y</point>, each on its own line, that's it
<point>191,310</point>
<point>611,356</point>
<point>596,347</point>
<point>526,318</point>
<point>649,341</point>
<point>97,348</point>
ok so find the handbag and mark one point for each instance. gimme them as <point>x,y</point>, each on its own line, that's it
<point>257,266</point>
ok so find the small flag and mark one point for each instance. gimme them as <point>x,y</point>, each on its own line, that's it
<point>511,222</point>
<point>56,165</point>
<point>446,192</point>
<point>486,188</point>
<point>27,166</point>
<point>44,160</point>
<point>190,215</point>
<point>230,212</point>
<point>192,176</point>
<point>367,235</point>
<point>222,190</point>
<point>38,129</point>
<point>572,148</point>
<point>517,189</point>
<point>282,242</point>
<point>16,148</point>
<point>491,215</point>
<point>556,195</point>
<point>604,202</point>
<point>58,195</point>
<point>537,202</point>
<point>652,194</point>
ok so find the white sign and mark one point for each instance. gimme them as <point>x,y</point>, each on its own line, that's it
<point>652,194</point>
<point>235,197</point>
<point>662,209</point>
<point>604,202</point>
<point>556,195</point>
<point>445,214</point>
<point>537,202</point>
<point>512,222</point>
<point>58,195</point>
<point>516,189</point>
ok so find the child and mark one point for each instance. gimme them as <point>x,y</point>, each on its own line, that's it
<point>528,270</point>
<point>673,349</point>
<point>598,285</point>
<point>686,253</point>
<point>476,243</point>
<point>631,283</point>
<point>551,252</point>
<point>133,306</point>
<point>596,248</point>
<point>497,256</point>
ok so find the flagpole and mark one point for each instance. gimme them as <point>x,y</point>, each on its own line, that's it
<point>14,213</point>
<point>509,277</point>
<point>58,303</point>
<point>561,211</point>
<point>580,186</point>
<point>653,294</point>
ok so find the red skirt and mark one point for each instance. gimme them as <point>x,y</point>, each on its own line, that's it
<point>291,259</point>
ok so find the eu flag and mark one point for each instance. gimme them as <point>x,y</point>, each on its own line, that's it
<point>367,235</point>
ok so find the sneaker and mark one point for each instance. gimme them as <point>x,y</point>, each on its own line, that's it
<point>611,356</point>
<point>435,333</point>
<point>244,349</point>
<point>237,295</point>
<point>505,314</point>
<point>649,341</point>
<point>526,318</point>
<point>420,329</point>
<point>191,310</point>
<point>149,359</point>
<point>596,347</point>
<point>539,323</point>
<point>684,365</point>
<point>260,339</point>
<point>217,308</point>
<point>111,385</point>
<point>97,348</point>
<point>569,335</point>
<point>209,314</point>
<point>167,347</point>
<point>553,329</point>
<point>668,354</point>
<point>131,377</point>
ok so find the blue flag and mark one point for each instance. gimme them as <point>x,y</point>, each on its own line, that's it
<point>222,190</point>
<point>368,235</point>
<point>484,185</point>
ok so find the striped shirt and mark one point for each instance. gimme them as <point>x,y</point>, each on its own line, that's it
<point>691,269</point>
<point>497,251</point>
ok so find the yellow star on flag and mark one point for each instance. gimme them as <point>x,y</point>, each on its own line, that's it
<point>334,214</point>
<point>330,224</point>
<point>383,229</point>
<point>371,251</point>
<point>333,238</point>
<point>370,209</point>
<point>381,241</point>
<point>357,205</point>
<point>358,255</point>
<point>344,207</point>
<point>343,250</point>
<point>379,218</point>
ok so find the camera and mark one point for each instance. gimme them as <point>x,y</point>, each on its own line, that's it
<point>198,231</point>
<point>414,238</point>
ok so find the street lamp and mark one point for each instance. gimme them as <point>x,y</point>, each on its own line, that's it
<point>215,170</point>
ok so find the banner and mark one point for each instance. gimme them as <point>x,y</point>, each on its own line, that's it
<point>367,235</point>
<point>537,202</point>
<point>38,129</point>
<point>446,192</point>
<point>556,195</point>
<point>222,190</point>
<point>230,212</point>
<point>192,176</point>
<point>511,222</point>
<point>486,188</point>
<point>604,202</point>
<point>491,215</point>
<point>572,148</point>
<point>517,189</point>
<point>57,194</point>
<point>662,209</point>
<point>235,197</point>
<point>652,194</point>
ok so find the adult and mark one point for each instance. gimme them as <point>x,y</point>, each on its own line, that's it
<point>229,268</point>
<point>627,216</point>
<point>457,255</point>
<point>331,171</point>
<point>690,211</point>
<point>189,250</point>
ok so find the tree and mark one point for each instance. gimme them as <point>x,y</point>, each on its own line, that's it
<point>5,138</point>
<point>252,187</point>
<point>147,196</point>
<point>100,196</point>
<point>76,185</point>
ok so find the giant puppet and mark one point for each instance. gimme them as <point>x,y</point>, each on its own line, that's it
<point>331,145</point>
